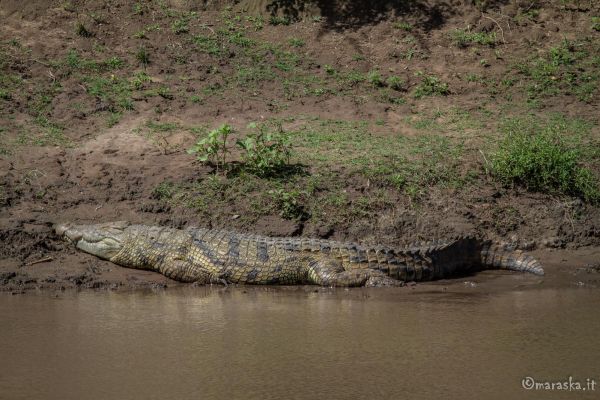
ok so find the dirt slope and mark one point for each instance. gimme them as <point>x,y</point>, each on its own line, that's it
<point>393,113</point>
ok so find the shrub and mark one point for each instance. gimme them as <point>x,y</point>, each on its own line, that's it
<point>542,158</point>
<point>213,148</point>
<point>265,152</point>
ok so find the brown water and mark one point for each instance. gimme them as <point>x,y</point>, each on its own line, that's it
<point>268,343</point>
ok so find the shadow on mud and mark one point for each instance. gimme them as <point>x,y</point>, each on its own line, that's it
<point>349,14</point>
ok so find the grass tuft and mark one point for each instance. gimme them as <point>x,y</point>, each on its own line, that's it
<point>544,158</point>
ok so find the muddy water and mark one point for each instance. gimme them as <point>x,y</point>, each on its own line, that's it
<point>268,343</point>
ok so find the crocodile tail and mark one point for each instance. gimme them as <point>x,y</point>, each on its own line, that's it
<point>497,256</point>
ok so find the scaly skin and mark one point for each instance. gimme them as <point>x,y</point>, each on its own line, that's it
<point>207,256</point>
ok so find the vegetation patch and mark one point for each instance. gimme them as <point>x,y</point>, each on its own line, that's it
<point>431,85</point>
<point>464,38</point>
<point>546,157</point>
<point>570,68</point>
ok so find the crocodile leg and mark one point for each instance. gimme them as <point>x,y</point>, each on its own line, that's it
<point>332,273</point>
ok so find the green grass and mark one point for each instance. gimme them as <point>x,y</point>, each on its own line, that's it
<point>463,38</point>
<point>114,92</point>
<point>404,26</point>
<point>143,56</point>
<point>431,86</point>
<point>295,42</point>
<point>409,164</point>
<point>277,20</point>
<point>395,82</point>
<point>180,26</point>
<point>546,157</point>
<point>571,68</point>
<point>375,79</point>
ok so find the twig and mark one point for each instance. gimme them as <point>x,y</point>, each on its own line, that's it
<point>487,172</point>
<point>497,24</point>
<point>31,59</point>
<point>41,260</point>
<point>207,27</point>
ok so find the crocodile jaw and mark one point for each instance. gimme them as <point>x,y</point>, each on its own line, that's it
<point>101,240</point>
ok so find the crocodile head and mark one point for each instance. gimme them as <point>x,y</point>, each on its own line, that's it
<point>102,240</point>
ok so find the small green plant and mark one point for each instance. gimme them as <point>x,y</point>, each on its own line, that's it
<point>139,79</point>
<point>164,191</point>
<point>82,31</point>
<point>545,159</point>
<point>405,26</point>
<point>277,20</point>
<point>375,79</point>
<point>596,24</point>
<point>143,56</point>
<point>463,38</point>
<point>265,152</point>
<point>5,94</point>
<point>295,42</point>
<point>288,203</point>
<point>98,18</point>
<point>165,93</point>
<point>395,82</point>
<point>114,63</point>
<point>113,118</point>
<point>213,148</point>
<point>431,86</point>
<point>138,9</point>
<point>329,69</point>
<point>196,99</point>
<point>180,26</point>
<point>69,7</point>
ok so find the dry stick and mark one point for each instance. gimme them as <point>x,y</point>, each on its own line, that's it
<point>486,162</point>
<point>207,27</point>
<point>499,27</point>
<point>41,260</point>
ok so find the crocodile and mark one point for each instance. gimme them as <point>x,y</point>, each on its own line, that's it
<point>220,256</point>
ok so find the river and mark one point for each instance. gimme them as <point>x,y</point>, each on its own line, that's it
<point>302,343</point>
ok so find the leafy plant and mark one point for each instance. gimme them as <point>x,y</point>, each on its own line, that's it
<point>289,203</point>
<point>265,152</point>
<point>213,148</point>
<point>430,86</point>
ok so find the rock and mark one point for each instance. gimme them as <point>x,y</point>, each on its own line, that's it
<point>553,242</point>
